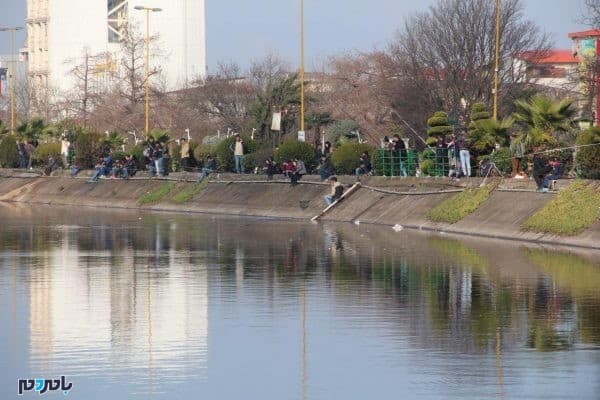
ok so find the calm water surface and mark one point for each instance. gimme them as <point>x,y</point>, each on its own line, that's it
<point>153,306</point>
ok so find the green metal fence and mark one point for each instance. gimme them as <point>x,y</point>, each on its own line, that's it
<point>397,164</point>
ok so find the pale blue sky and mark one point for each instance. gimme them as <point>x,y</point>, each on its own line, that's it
<point>243,30</point>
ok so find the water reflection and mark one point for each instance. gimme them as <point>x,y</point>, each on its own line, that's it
<point>184,306</point>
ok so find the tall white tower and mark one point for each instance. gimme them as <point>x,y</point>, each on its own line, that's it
<point>61,32</point>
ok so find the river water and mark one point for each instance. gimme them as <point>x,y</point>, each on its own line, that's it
<point>132,305</point>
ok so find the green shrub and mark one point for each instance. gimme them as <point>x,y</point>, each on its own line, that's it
<point>502,158</point>
<point>427,167</point>
<point>570,212</point>
<point>295,149</point>
<point>202,151</point>
<point>479,111</point>
<point>249,162</point>
<point>427,154</point>
<point>175,154</point>
<point>118,155</point>
<point>138,152</point>
<point>160,135</point>
<point>345,157</point>
<point>587,160</point>
<point>376,162</point>
<point>225,161</point>
<point>439,125</point>
<point>9,154</point>
<point>45,150</point>
<point>88,149</point>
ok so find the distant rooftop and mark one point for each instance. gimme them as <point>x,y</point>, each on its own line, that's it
<point>585,34</point>
<point>550,57</point>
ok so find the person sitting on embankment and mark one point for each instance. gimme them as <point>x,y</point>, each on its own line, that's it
<point>337,189</point>
<point>208,168</point>
<point>299,171</point>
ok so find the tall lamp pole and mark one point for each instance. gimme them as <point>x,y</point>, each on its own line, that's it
<point>497,60</point>
<point>148,11</point>
<point>11,73</point>
<point>302,65</point>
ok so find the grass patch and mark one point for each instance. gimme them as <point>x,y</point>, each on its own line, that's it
<point>570,212</point>
<point>158,194</point>
<point>188,194</point>
<point>458,207</point>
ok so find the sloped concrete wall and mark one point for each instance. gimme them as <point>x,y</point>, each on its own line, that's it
<point>500,217</point>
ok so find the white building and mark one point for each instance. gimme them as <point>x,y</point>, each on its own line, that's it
<point>61,32</point>
<point>555,69</point>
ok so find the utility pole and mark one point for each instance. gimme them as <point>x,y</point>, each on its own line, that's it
<point>148,10</point>
<point>302,65</point>
<point>497,61</point>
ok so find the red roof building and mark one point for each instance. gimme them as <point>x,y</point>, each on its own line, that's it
<point>552,68</point>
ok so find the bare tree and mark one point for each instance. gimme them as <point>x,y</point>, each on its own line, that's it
<point>132,75</point>
<point>357,88</point>
<point>223,97</point>
<point>87,74</point>
<point>444,58</point>
<point>267,70</point>
<point>591,16</point>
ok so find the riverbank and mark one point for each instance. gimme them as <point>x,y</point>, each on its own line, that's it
<point>395,202</point>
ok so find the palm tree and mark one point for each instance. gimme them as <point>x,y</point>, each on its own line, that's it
<point>543,118</point>
<point>486,133</point>
<point>115,140</point>
<point>36,128</point>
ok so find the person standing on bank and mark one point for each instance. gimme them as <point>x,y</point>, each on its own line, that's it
<point>399,154</point>
<point>238,153</point>
<point>185,154</point>
<point>465,156</point>
<point>517,151</point>
<point>64,150</point>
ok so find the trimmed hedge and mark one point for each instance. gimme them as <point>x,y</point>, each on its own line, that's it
<point>439,126</point>
<point>345,157</point>
<point>502,157</point>
<point>587,160</point>
<point>9,155</point>
<point>295,149</point>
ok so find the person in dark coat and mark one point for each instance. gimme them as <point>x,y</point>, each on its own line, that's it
<point>541,168</point>
<point>325,168</point>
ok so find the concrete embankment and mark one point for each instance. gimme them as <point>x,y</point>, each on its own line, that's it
<point>382,201</point>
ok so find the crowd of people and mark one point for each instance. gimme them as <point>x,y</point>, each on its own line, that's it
<point>452,158</point>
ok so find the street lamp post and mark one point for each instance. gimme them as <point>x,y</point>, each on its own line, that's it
<point>497,61</point>
<point>148,10</point>
<point>302,65</point>
<point>11,73</point>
